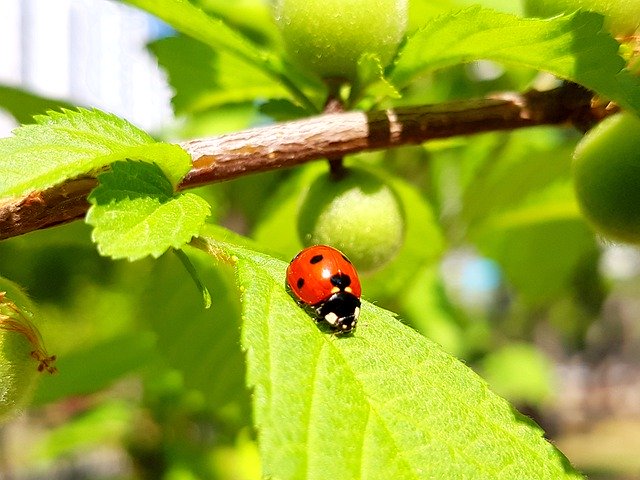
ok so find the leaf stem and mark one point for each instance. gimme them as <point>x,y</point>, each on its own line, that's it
<point>204,291</point>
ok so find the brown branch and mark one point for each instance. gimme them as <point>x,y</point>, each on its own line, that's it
<point>331,135</point>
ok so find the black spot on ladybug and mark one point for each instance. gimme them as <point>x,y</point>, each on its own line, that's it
<point>340,280</point>
<point>316,259</point>
<point>300,283</point>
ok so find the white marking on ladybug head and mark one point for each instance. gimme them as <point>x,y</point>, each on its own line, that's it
<point>335,290</point>
<point>348,290</point>
<point>331,318</point>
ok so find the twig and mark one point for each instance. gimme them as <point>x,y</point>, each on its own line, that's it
<point>330,136</point>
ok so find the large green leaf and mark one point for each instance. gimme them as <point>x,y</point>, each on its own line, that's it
<point>222,78</point>
<point>192,21</point>
<point>252,17</point>
<point>574,47</point>
<point>64,145</point>
<point>383,403</point>
<point>500,172</point>
<point>539,242</point>
<point>135,212</point>
<point>422,11</point>
<point>521,211</point>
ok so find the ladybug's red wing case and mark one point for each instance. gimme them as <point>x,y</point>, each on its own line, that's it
<point>305,280</point>
<point>324,278</point>
<point>319,271</point>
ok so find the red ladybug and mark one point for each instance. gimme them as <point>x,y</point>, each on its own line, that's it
<point>324,279</point>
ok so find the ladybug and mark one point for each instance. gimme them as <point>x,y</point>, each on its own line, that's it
<point>324,279</point>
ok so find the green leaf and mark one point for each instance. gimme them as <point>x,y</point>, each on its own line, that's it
<point>423,11</point>
<point>371,81</point>
<point>383,403</point>
<point>23,105</point>
<point>64,145</point>
<point>222,77</point>
<point>538,255</point>
<point>502,172</point>
<point>252,17</point>
<point>135,212</point>
<point>190,20</point>
<point>521,211</point>
<point>573,47</point>
<point>18,337</point>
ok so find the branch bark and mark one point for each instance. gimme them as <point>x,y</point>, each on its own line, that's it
<point>330,135</point>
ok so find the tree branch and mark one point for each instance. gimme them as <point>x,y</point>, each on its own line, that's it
<point>330,135</point>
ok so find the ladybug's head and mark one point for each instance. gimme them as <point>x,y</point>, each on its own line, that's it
<point>340,311</point>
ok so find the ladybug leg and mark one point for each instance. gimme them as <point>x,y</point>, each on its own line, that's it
<point>318,315</point>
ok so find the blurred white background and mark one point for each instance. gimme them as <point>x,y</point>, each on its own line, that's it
<point>88,52</point>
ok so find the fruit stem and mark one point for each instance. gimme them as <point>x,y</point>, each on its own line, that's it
<point>337,171</point>
<point>334,104</point>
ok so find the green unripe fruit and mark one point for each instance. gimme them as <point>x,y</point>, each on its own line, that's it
<point>606,171</point>
<point>358,214</point>
<point>18,372</point>
<point>622,17</point>
<point>329,36</point>
<point>22,354</point>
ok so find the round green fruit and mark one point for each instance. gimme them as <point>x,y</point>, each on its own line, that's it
<point>622,17</point>
<point>358,214</point>
<point>18,372</point>
<point>22,355</point>
<point>329,36</point>
<point>606,172</point>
